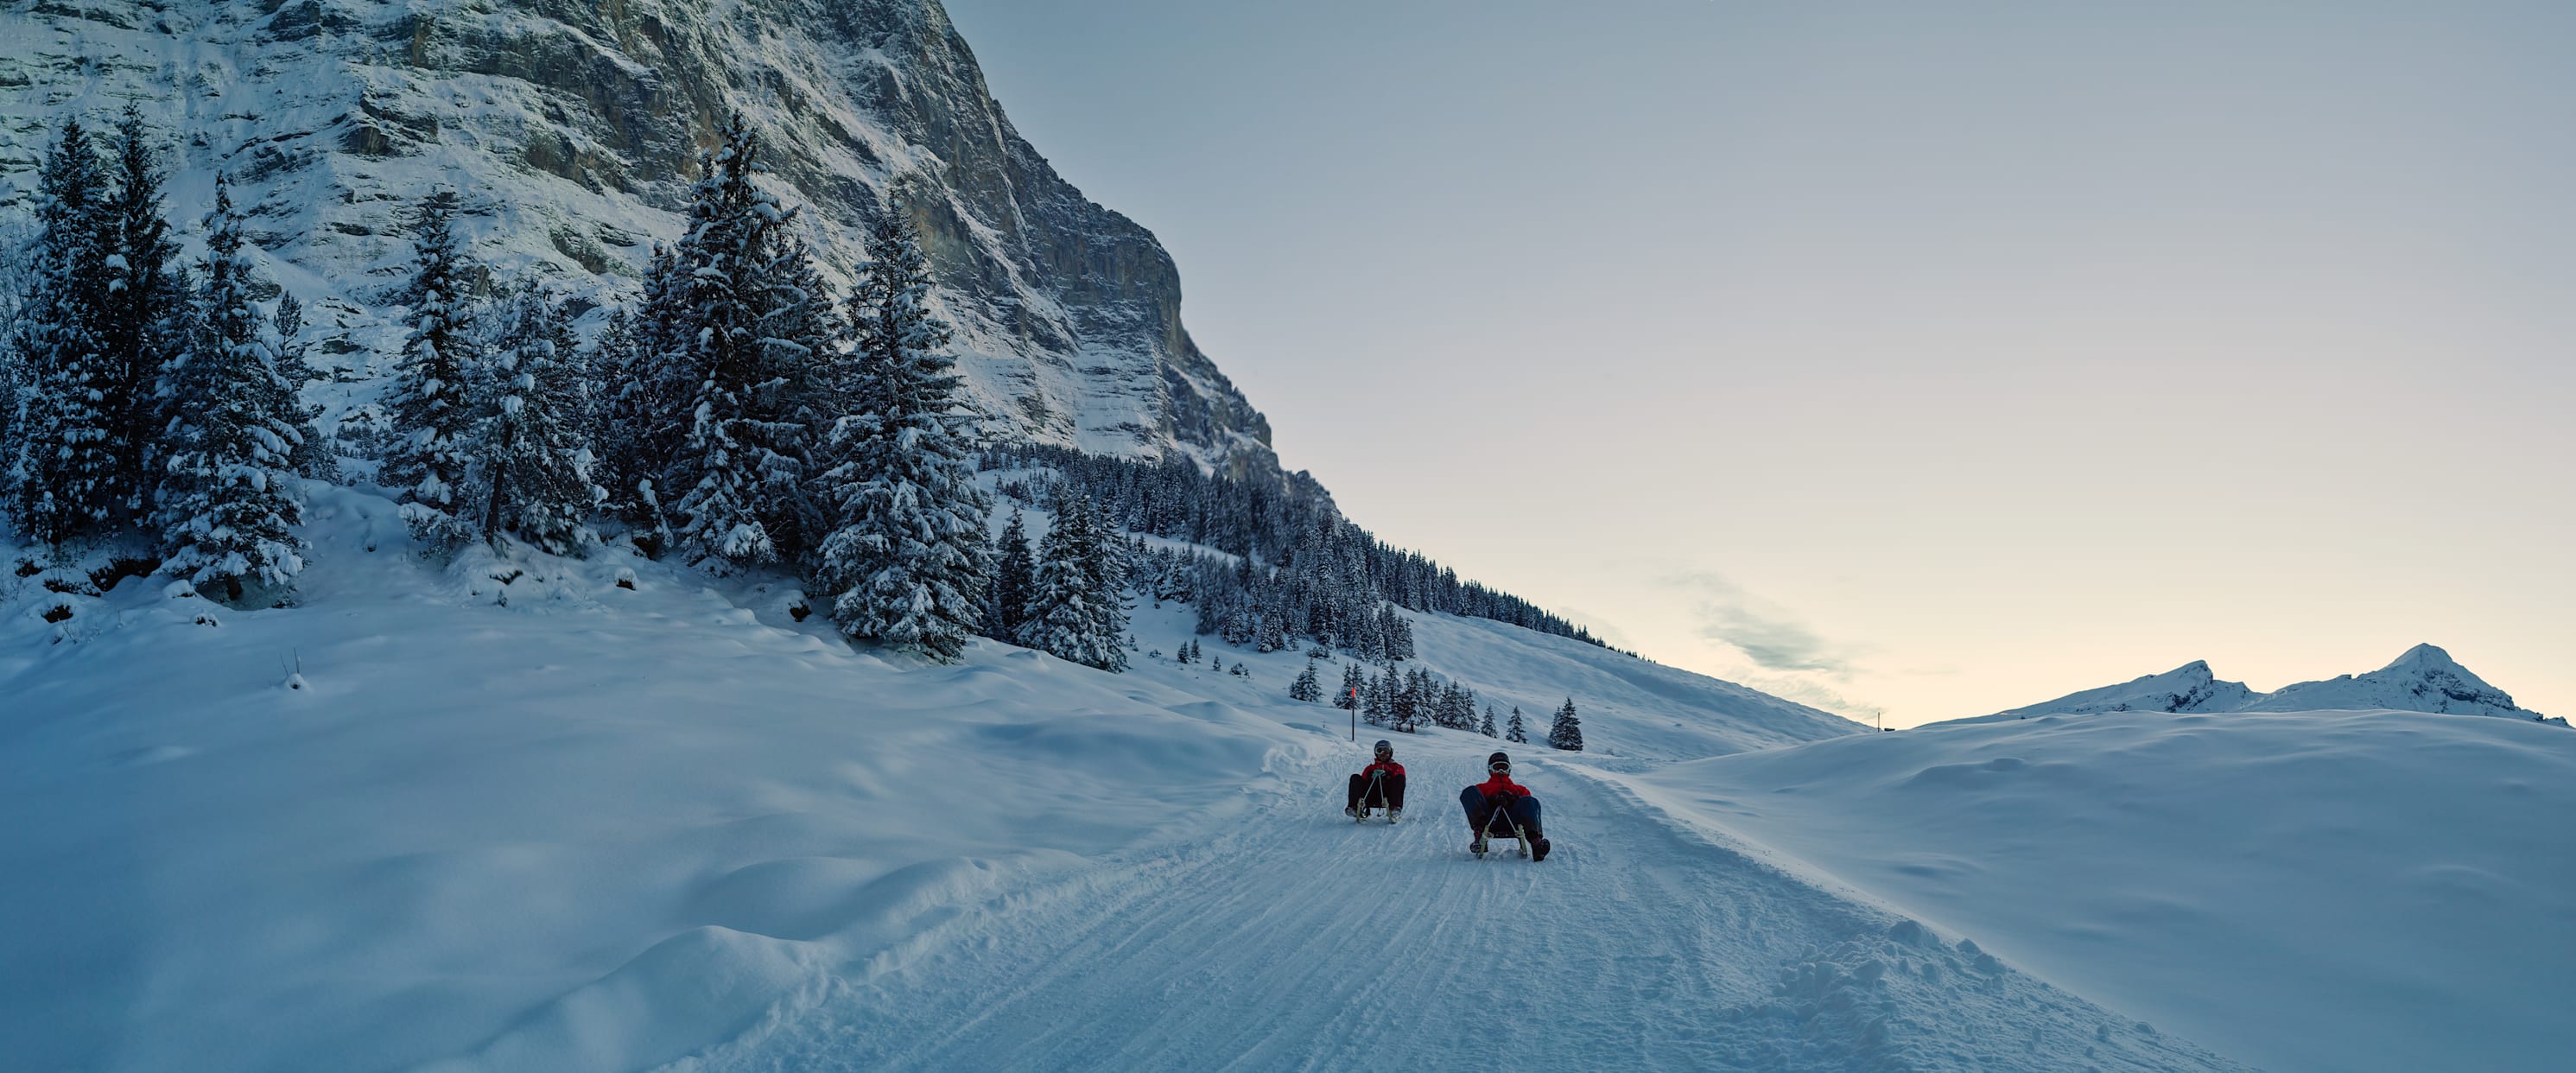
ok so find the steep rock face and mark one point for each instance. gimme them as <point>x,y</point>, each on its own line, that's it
<point>573,130</point>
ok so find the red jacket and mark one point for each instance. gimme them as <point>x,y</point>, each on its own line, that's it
<point>1502,784</point>
<point>1388,766</point>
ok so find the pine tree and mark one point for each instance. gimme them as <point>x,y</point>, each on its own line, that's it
<point>1014,576</point>
<point>314,458</point>
<point>811,378</point>
<point>142,307</point>
<point>1515,733</point>
<point>737,448</point>
<point>1306,687</point>
<point>432,414</point>
<point>1354,681</point>
<point>645,415</point>
<point>1567,732</point>
<point>226,498</point>
<point>531,471</point>
<point>62,462</point>
<point>908,562</point>
<point>1077,612</point>
<point>1487,728</point>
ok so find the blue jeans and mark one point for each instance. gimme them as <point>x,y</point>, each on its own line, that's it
<point>1522,810</point>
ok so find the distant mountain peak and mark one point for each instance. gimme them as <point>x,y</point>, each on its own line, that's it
<point>2424,656</point>
<point>2424,679</point>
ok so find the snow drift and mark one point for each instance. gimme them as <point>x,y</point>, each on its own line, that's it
<point>2372,890</point>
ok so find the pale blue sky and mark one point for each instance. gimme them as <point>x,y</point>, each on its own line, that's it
<point>1933,361</point>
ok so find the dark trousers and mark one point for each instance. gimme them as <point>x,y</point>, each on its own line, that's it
<point>1390,791</point>
<point>1480,809</point>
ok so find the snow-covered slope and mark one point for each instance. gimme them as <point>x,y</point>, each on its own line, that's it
<point>2424,679</point>
<point>637,818</point>
<point>435,819</point>
<point>1630,707</point>
<point>571,131</point>
<point>2304,891</point>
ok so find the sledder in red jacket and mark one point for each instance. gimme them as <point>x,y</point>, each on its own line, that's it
<point>1382,782</point>
<point>1499,794</point>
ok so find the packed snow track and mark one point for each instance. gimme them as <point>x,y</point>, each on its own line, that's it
<point>1290,938</point>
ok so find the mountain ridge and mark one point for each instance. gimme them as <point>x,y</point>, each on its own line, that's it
<point>2422,679</point>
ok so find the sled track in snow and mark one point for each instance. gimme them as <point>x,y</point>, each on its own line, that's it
<point>1297,940</point>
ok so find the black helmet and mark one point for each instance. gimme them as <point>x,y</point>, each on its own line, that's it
<point>1385,747</point>
<point>1499,763</point>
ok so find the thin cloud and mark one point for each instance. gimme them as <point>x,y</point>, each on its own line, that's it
<point>1817,696</point>
<point>1772,638</point>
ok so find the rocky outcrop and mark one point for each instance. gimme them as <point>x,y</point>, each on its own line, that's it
<point>573,130</point>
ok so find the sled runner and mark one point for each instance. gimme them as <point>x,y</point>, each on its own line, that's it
<point>1511,829</point>
<point>1373,799</point>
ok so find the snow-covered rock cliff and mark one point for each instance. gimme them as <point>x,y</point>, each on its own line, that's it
<point>572,130</point>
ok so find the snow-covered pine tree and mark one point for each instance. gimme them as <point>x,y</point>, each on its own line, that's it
<point>1515,733</point>
<point>1306,688</point>
<point>1273,635</point>
<point>1487,727</point>
<point>644,415</point>
<point>531,471</point>
<point>907,562</point>
<point>1014,575</point>
<point>1404,700</point>
<point>731,450</point>
<point>1399,636</point>
<point>314,458</point>
<point>60,481</point>
<point>432,414</point>
<point>143,306</point>
<point>1077,612</point>
<point>1567,732</point>
<point>227,497</point>
<point>1354,681</point>
<point>812,377</point>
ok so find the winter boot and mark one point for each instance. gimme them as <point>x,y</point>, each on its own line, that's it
<point>1394,814</point>
<point>1538,847</point>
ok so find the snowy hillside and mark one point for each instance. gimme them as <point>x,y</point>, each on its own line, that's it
<point>2301,890</point>
<point>438,819</point>
<point>572,131</point>
<point>2424,679</point>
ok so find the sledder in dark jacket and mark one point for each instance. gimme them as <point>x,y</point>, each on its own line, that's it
<point>1499,793</point>
<point>1382,781</point>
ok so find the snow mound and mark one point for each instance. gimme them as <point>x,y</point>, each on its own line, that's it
<point>2313,890</point>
